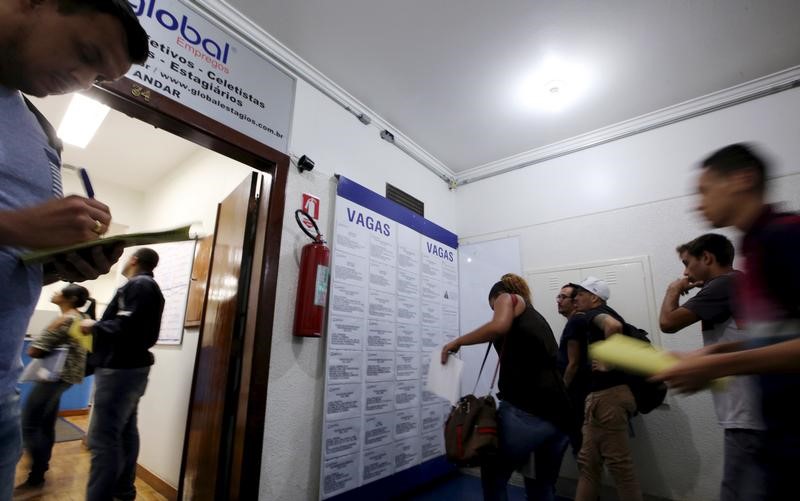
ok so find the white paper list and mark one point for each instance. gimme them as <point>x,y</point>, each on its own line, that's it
<point>393,299</point>
<point>378,430</point>
<point>379,397</point>
<point>342,437</point>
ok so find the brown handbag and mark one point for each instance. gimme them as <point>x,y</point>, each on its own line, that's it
<point>470,433</point>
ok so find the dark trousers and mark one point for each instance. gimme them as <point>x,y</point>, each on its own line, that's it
<point>782,453</point>
<point>577,398</point>
<point>39,424</point>
<point>744,475</point>
<point>113,435</point>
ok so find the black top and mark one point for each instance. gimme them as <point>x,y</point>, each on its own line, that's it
<point>529,379</point>
<point>602,380</point>
<point>130,325</point>
<point>575,330</point>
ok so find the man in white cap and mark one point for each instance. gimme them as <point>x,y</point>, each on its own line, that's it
<point>608,405</point>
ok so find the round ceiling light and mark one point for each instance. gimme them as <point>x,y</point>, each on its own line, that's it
<point>554,86</point>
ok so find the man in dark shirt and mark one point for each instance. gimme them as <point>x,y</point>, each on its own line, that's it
<point>573,360</point>
<point>708,264</point>
<point>122,360</point>
<point>732,193</point>
<point>608,405</point>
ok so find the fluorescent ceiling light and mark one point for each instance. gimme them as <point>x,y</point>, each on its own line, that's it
<point>81,121</point>
<point>554,85</point>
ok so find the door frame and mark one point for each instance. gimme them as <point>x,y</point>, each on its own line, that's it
<point>160,111</point>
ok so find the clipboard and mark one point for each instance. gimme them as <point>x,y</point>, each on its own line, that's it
<point>127,240</point>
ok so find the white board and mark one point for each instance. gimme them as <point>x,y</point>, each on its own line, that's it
<point>480,266</point>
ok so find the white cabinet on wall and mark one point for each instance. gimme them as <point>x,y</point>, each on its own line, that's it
<point>629,279</point>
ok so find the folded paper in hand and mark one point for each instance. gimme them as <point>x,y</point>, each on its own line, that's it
<point>126,240</point>
<point>46,369</point>
<point>444,380</point>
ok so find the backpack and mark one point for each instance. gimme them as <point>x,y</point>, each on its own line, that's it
<point>648,395</point>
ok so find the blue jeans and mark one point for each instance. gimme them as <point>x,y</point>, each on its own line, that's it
<point>113,436</point>
<point>10,443</point>
<point>39,424</point>
<point>520,434</point>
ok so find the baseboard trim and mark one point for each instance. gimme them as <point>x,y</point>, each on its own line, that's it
<point>157,483</point>
<point>73,412</point>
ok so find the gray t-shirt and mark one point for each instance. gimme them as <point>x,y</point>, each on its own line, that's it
<point>29,175</point>
<point>738,405</point>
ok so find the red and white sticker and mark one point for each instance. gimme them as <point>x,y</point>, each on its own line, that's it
<point>311,205</point>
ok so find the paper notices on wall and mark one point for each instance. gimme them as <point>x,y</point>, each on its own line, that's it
<point>173,275</point>
<point>393,299</point>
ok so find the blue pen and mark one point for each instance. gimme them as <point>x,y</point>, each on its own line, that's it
<point>87,185</point>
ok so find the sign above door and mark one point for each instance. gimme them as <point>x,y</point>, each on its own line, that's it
<point>194,62</point>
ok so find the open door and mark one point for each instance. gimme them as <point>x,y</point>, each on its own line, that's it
<point>218,426</point>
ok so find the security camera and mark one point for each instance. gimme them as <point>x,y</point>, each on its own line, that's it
<point>305,164</point>
<point>387,136</point>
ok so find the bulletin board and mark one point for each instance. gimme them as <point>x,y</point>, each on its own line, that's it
<point>173,275</point>
<point>394,301</point>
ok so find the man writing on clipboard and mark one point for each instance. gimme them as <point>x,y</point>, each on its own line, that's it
<point>47,47</point>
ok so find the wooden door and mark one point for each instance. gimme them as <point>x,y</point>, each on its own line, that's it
<point>211,424</point>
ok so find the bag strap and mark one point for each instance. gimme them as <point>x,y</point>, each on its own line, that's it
<point>52,137</point>
<point>499,358</point>
<point>488,348</point>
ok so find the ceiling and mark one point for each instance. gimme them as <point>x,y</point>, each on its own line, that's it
<point>447,73</point>
<point>125,151</point>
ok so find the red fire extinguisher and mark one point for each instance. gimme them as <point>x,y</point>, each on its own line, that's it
<point>312,286</point>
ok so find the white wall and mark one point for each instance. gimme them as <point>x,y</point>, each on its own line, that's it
<point>125,203</point>
<point>339,144</point>
<point>190,192</point>
<point>635,197</point>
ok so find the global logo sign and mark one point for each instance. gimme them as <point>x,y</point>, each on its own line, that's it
<point>180,24</point>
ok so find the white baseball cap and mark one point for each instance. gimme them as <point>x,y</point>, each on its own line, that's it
<point>596,286</point>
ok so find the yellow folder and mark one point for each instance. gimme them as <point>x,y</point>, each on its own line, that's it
<point>637,356</point>
<point>85,340</point>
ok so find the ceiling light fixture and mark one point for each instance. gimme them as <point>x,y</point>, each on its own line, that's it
<point>81,121</point>
<point>553,86</point>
